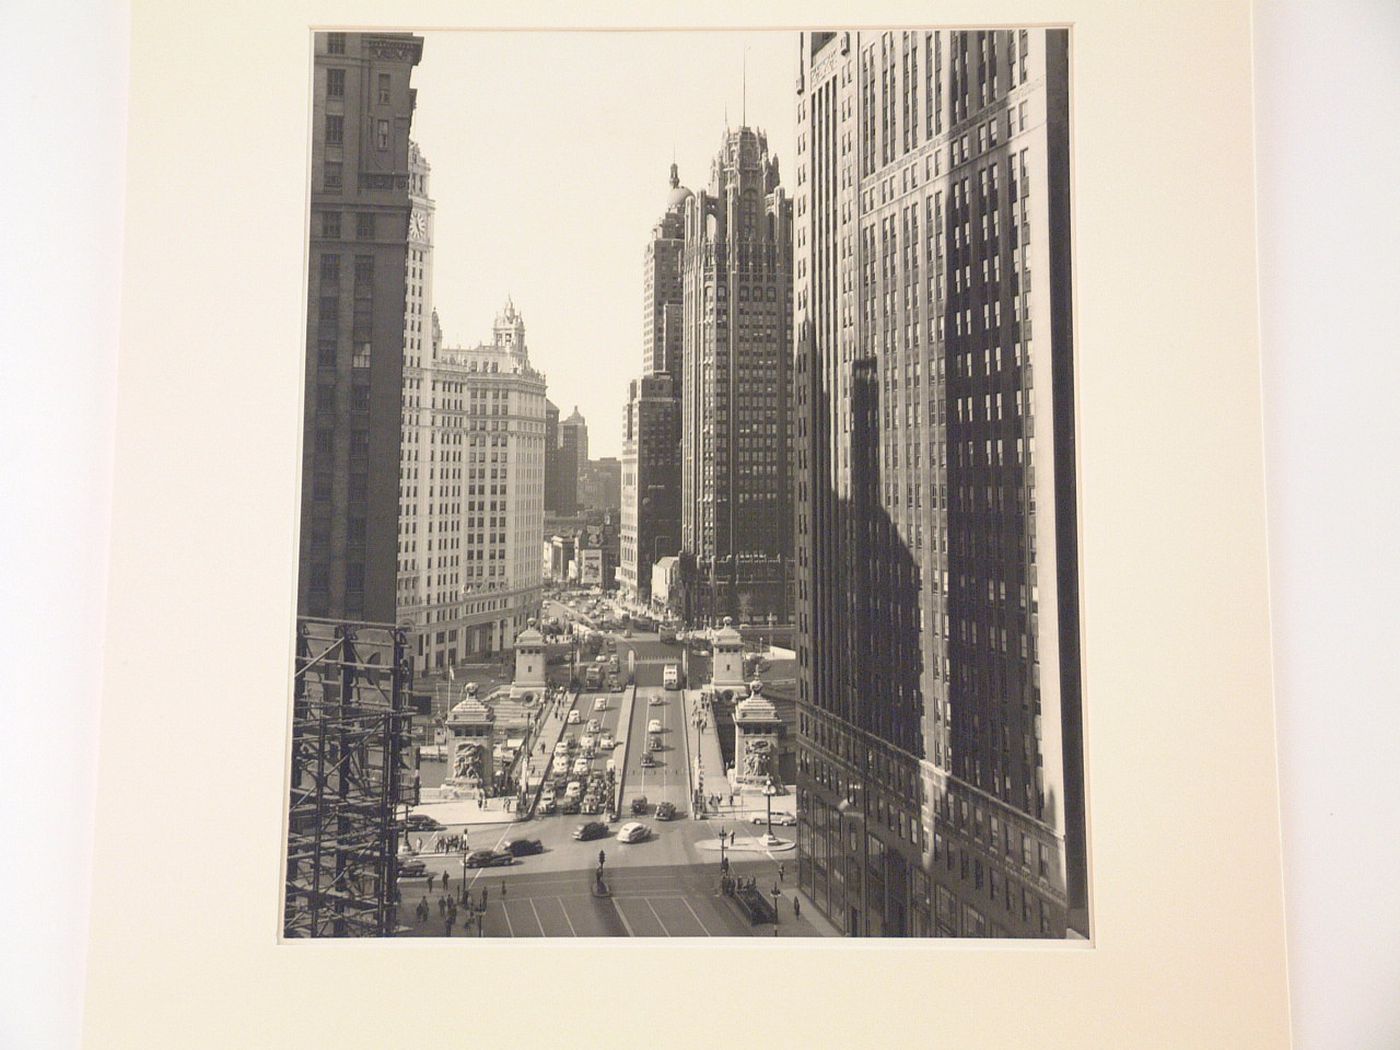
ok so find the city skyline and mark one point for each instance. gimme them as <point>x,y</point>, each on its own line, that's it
<point>564,238</point>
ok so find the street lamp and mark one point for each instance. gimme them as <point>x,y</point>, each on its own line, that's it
<point>769,790</point>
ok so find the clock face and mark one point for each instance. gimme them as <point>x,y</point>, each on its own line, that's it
<point>418,225</point>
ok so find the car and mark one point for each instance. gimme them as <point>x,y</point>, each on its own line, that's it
<point>780,819</point>
<point>666,811</point>
<point>522,847</point>
<point>569,806</point>
<point>601,704</point>
<point>607,743</point>
<point>647,761</point>
<point>656,699</point>
<point>488,858</point>
<point>412,869</point>
<point>594,829</point>
<point>639,805</point>
<point>574,718</point>
<point>421,822</point>
<point>618,685</point>
<point>593,726</point>
<point>575,789</point>
<point>589,742</point>
<point>633,831</point>
<point>613,665</point>
<point>654,726</point>
<point>581,767</point>
<point>653,743</point>
<point>546,806</point>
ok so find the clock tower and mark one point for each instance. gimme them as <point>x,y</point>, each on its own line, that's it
<point>419,355</point>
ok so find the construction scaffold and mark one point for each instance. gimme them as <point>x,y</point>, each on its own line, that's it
<point>350,730</point>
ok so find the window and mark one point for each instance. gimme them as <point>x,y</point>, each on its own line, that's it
<point>330,267</point>
<point>364,226</point>
<point>333,178</point>
<point>381,134</point>
<point>335,83</point>
<point>330,224</point>
<point>383,89</point>
<point>335,43</point>
<point>335,129</point>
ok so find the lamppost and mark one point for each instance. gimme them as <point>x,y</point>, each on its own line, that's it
<point>769,790</point>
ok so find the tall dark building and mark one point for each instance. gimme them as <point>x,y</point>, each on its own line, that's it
<point>651,474</point>
<point>651,444</point>
<point>560,468</point>
<point>940,780</point>
<point>360,202</point>
<point>736,494</point>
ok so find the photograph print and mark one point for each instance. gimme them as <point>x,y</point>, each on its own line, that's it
<point>688,541</point>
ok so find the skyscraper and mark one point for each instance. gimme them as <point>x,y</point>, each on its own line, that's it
<point>421,337</point>
<point>574,432</point>
<point>473,525</point>
<point>736,497</point>
<point>940,756</point>
<point>362,112</point>
<point>651,474</point>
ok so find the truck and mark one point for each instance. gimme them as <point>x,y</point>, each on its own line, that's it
<point>668,634</point>
<point>671,676</point>
<point>593,677</point>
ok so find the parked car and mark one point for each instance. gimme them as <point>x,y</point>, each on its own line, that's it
<point>639,805</point>
<point>488,858</point>
<point>633,831</point>
<point>421,822</point>
<point>781,819</point>
<point>522,847</point>
<point>412,869</point>
<point>665,811</point>
<point>594,829</point>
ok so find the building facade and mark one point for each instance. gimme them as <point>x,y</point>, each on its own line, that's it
<point>600,485</point>
<point>362,112</point>
<point>560,468</point>
<point>651,486</point>
<point>573,432</point>
<point>474,498</point>
<point>651,491</point>
<point>940,750</point>
<point>736,487</point>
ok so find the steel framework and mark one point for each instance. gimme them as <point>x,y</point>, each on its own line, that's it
<point>350,725</point>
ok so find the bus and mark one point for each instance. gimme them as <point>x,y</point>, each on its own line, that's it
<point>671,677</point>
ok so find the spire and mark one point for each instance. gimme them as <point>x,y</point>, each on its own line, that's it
<point>675,175</point>
<point>744,88</point>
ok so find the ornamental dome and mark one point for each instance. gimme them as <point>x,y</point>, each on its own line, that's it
<point>679,194</point>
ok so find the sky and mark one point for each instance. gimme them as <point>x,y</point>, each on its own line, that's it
<point>551,154</point>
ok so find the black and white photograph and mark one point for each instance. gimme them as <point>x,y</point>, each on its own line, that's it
<point>689,533</point>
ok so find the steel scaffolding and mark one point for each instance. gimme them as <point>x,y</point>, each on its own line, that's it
<point>350,726</point>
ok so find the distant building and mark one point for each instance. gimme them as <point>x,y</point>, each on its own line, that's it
<point>940,766</point>
<point>477,483</point>
<point>600,485</point>
<point>736,496</point>
<point>574,432</point>
<point>651,445</point>
<point>560,468</point>
<point>361,200</point>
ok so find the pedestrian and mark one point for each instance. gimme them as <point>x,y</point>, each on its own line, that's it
<point>503,889</point>
<point>484,892</point>
<point>780,871</point>
<point>447,926</point>
<point>444,882</point>
<point>796,908</point>
<point>466,898</point>
<point>431,877</point>
<point>442,906</point>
